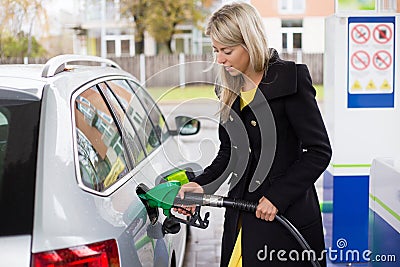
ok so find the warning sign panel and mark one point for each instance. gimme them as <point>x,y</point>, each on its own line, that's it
<point>356,86</point>
<point>386,85</point>
<point>371,85</point>
<point>371,48</point>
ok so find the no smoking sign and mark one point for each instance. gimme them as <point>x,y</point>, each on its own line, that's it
<point>360,60</point>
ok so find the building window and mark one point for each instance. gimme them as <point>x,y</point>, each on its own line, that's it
<point>111,47</point>
<point>292,35</point>
<point>125,47</point>
<point>297,40</point>
<point>120,45</point>
<point>292,6</point>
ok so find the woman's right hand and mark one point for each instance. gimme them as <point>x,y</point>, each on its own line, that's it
<point>191,187</point>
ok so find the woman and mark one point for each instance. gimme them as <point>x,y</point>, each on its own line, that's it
<point>268,108</point>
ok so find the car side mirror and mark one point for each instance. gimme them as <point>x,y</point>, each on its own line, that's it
<point>186,125</point>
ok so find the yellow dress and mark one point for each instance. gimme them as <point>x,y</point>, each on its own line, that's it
<point>236,258</point>
<point>247,97</point>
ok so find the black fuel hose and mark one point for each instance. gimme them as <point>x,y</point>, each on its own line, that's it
<point>243,205</point>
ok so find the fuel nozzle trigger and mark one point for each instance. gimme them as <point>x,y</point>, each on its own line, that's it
<point>195,219</point>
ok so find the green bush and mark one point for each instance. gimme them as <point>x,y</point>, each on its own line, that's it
<point>17,46</point>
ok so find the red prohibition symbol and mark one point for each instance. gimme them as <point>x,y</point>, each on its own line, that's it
<point>382,33</point>
<point>360,34</point>
<point>382,60</point>
<point>360,60</point>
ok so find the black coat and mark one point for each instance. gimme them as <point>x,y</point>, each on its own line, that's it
<point>285,146</point>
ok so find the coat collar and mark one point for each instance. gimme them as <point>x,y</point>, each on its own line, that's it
<point>280,78</point>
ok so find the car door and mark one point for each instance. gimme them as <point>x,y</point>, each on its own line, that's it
<point>132,112</point>
<point>110,151</point>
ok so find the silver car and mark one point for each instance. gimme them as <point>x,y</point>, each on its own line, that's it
<point>75,143</point>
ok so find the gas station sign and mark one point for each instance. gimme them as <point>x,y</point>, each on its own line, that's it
<point>371,50</point>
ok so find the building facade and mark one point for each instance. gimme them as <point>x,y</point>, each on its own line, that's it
<point>295,25</point>
<point>292,26</point>
<point>99,29</point>
<point>299,25</point>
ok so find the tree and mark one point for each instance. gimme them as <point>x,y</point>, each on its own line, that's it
<point>137,9</point>
<point>166,15</point>
<point>20,16</point>
<point>160,17</point>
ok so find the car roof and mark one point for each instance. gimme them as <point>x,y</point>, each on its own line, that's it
<point>27,71</point>
<point>22,78</point>
<point>32,78</point>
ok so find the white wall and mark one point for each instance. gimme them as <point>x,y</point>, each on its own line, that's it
<point>313,35</point>
<point>274,34</point>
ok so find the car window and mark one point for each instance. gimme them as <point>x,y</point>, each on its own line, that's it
<point>101,153</point>
<point>137,114</point>
<point>19,126</point>
<point>153,111</point>
<point>134,138</point>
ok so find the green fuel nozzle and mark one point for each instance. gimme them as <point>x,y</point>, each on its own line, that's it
<point>165,196</point>
<point>162,196</point>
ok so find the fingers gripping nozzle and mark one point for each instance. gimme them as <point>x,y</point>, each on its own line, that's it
<point>165,196</point>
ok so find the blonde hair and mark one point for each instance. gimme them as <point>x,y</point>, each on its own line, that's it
<point>237,24</point>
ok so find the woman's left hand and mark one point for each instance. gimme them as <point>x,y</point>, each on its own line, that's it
<point>266,210</point>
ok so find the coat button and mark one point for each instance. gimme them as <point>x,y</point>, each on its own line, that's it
<point>230,118</point>
<point>249,149</point>
<point>254,123</point>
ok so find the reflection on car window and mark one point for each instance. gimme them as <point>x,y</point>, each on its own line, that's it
<point>100,149</point>
<point>3,141</point>
<point>136,113</point>
<point>153,111</point>
<point>134,138</point>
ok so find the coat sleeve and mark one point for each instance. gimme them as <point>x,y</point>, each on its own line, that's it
<point>216,173</point>
<point>306,120</point>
